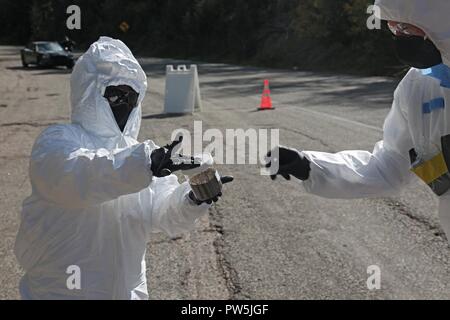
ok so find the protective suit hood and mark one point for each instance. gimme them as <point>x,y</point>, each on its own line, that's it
<point>107,62</point>
<point>429,15</point>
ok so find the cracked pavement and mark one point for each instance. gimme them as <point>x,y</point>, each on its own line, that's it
<point>263,239</point>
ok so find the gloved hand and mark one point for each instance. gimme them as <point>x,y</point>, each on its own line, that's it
<point>289,162</point>
<point>162,164</point>
<point>224,180</point>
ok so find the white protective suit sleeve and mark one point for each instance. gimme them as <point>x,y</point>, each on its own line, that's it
<point>74,177</point>
<point>361,174</point>
<point>171,210</point>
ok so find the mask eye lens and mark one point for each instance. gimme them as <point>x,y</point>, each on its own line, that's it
<point>113,99</point>
<point>117,96</point>
<point>133,98</point>
<point>405,29</point>
<point>398,29</point>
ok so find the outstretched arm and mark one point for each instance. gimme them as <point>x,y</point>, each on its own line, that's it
<point>74,177</point>
<point>359,174</point>
<point>356,174</point>
<point>168,208</point>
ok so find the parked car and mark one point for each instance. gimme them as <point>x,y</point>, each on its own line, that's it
<point>46,53</point>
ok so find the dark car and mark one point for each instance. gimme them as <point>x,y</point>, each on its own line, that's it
<point>48,54</point>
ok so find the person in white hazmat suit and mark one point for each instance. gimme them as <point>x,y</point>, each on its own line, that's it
<point>417,130</point>
<point>97,193</point>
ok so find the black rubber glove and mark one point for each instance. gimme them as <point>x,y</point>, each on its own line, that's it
<point>224,180</point>
<point>290,162</point>
<point>162,164</point>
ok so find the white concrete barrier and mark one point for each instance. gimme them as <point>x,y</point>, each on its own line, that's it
<point>182,94</point>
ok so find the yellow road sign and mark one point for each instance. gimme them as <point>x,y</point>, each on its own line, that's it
<point>124,26</point>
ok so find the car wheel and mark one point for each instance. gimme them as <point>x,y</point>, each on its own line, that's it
<point>24,64</point>
<point>70,65</point>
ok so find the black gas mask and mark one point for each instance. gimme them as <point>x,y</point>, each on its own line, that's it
<point>417,51</point>
<point>122,99</point>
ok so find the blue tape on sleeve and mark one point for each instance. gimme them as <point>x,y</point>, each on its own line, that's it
<point>438,103</point>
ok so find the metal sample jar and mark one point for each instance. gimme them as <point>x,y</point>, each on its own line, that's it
<point>206,185</point>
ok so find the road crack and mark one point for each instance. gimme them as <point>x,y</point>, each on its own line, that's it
<point>405,211</point>
<point>226,269</point>
<point>29,124</point>
<point>323,143</point>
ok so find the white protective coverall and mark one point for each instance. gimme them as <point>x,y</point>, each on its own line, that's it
<point>94,201</point>
<point>415,131</point>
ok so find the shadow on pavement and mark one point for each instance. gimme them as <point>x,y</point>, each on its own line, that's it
<point>10,52</point>
<point>317,87</point>
<point>54,71</point>
<point>165,115</point>
<point>44,70</point>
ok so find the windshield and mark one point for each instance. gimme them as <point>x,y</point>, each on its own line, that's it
<point>49,46</point>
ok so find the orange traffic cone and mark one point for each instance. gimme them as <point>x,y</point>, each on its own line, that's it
<point>266,100</point>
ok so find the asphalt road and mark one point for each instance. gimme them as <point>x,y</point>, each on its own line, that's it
<point>264,239</point>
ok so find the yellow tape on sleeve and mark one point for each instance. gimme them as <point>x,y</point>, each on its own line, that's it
<point>432,169</point>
